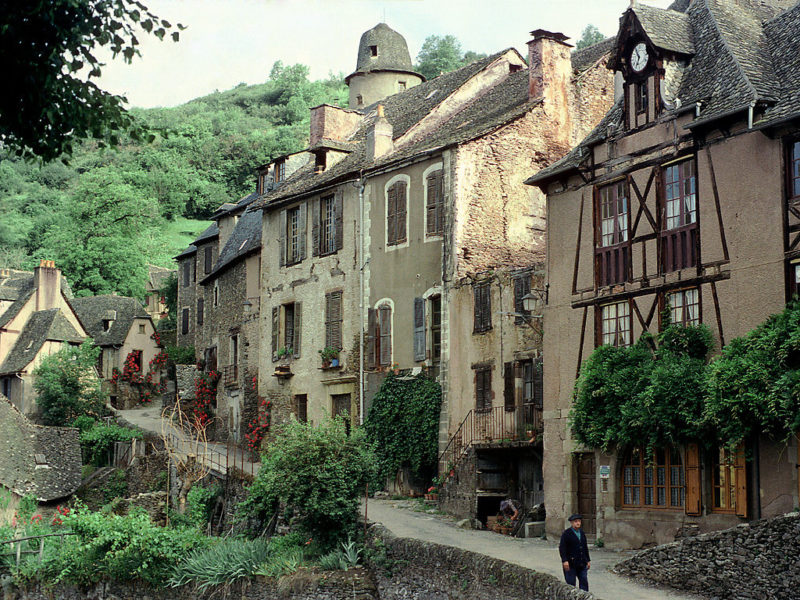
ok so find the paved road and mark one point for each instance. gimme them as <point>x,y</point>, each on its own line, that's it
<point>540,555</point>
<point>216,456</point>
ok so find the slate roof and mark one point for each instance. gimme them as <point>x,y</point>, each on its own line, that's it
<point>586,57</point>
<point>745,52</point>
<point>190,249</point>
<point>21,441</point>
<point>668,29</point>
<point>42,325</point>
<point>498,106</point>
<point>18,287</point>
<point>392,52</point>
<point>244,240</point>
<point>158,276</point>
<point>211,232</point>
<point>92,310</point>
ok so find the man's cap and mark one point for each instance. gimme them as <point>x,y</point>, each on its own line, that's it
<point>575,517</point>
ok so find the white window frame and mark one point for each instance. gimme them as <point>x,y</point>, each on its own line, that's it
<point>390,183</point>
<point>429,171</point>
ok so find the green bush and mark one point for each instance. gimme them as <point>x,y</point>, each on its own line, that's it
<point>119,548</point>
<point>199,506</point>
<point>67,387</point>
<point>649,394</point>
<point>221,563</point>
<point>98,441</point>
<point>181,355</point>
<point>319,474</point>
<point>403,424</point>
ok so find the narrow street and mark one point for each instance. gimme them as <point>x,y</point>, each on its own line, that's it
<point>540,555</point>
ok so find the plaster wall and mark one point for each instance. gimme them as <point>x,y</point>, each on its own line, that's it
<point>138,341</point>
<point>377,85</point>
<point>308,282</point>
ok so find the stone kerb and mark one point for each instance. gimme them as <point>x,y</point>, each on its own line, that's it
<point>427,570</point>
<point>752,560</point>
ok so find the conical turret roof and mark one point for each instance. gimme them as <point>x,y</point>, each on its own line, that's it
<point>383,49</point>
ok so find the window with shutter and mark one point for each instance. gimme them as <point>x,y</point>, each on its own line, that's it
<point>434,205</point>
<point>396,214</point>
<point>207,259</point>
<point>200,311</point>
<point>276,328</point>
<point>729,482</point>
<point>508,386</point>
<point>522,287</point>
<point>301,407</point>
<point>693,503</point>
<point>483,389</point>
<point>333,320</point>
<point>419,329</point>
<point>679,233</point>
<point>327,226</point>
<point>297,329</point>
<point>436,328</point>
<point>187,273</point>
<point>653,481</point>
<point>371,339</point>
<point>338,216</point>
<point>385,335</point>
<point>538,382</point>
<point>295,228</point>
<point>612,252</point>
<point>185,321</point>
<point>483,307</point>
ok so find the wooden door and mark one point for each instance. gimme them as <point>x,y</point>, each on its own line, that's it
<point>587,506</point>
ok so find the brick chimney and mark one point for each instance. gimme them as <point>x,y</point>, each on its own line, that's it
<point>47,282</point>
<point>550,67</point>
<point>379,137</point>
<point>332,123</point>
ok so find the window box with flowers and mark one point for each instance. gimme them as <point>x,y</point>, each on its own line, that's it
<point>283,367</point>
<point>330,357</point>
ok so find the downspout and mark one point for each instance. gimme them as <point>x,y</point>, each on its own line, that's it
<point>362,316</point>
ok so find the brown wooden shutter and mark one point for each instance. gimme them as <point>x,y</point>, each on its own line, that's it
<point>207,253</point>
<point>439,202</point>
<point>200,311</point>
<point>430,208</point>
<point>185,321</point>
<point>385,326</point>
<point>276,325</point>
<point>391,215</point>
<point>419,329</point>
<point>371,340</point>
<point>338,317</point>
<point>476,298</point>
<point>338,214</point>
<point>538,382</point>
<point>479,394</point>
<point>316,219</point>
<point>740,480</point>
<point>508,386</point>
<point>693,505</point>
<point>283,244</point>
<point>301,228</point>
<point>401,211</point>
<point>298,323</point>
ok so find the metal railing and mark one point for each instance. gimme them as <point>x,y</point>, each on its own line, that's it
<point>220,458</point>
<point>230,376</point>
<point>495,425</point>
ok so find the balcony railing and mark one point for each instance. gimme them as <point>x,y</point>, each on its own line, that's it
<point>612,264</point>
<point>492,426</point>
<point>679,248</point>
<point>230,376</point>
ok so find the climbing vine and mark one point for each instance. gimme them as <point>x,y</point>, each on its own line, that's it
<point>403,424</point>
<point>651,393</point>
<point>754,386</point>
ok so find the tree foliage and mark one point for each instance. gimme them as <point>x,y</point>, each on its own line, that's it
<point>403,423</point>
<point>442,54</point>
<point>67,385</point>
<point>650,394</point>
<point>49,50</point>
<point>591,35</point>
<point>754,385</point>
<point>318,473</point>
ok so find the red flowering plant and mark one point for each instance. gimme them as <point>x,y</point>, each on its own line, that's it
<point>259,427</point>
<point>156,338</point>
<point>61,511</point>
<point>205,391</point>
<point>131,371</point>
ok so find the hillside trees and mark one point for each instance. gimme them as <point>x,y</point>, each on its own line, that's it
<point>442,54</point>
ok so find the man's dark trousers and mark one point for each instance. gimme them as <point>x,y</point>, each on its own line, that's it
<point>581,574</point>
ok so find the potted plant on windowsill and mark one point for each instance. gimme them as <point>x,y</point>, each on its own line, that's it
<point>330,357</point>
<point>283,368</point>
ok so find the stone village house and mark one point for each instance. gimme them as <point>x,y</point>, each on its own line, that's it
<point>157,278</point>
<point>410,228</point>
<point>685,195</point>
<point>36,320</point>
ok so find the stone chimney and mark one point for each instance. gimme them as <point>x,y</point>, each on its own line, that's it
<point>332,123</point>
<point>379,137</point>
<point>550,68</point>
<point>47,282</point>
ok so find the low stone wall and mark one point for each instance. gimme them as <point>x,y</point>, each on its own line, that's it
<point>184,377</point>
<point>752,560</point>
<point>457,496</point>
<point>414,570</point>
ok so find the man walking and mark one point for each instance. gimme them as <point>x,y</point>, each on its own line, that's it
<point>574,552</point>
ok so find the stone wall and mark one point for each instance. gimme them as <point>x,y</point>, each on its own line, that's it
<point>749,561</point>
<point>457,496</point>
<point>185,376</point>
<point>421,570</point>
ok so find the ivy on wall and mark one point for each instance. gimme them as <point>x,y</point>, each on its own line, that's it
<point>403,423</point>
<point>664,391</point>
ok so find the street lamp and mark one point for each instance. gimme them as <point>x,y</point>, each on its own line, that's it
<point>533,302</point>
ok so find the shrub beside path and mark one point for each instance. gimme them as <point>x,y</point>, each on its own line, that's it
<point>399,517</point>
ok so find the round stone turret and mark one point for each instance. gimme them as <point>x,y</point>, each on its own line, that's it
<point>383,67</point>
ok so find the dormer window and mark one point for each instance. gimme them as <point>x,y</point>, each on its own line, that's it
<point>401,86</point>
<point>280,170</point>
<point>373,51</point>
<point>320,161</point>
<point>359,100</point>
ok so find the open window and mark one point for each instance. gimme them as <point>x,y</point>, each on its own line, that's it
<point>286,330</point>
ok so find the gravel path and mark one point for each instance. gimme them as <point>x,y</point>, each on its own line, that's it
<point>401,519</point>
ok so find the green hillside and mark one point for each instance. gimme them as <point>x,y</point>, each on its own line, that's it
<point>108,213</point>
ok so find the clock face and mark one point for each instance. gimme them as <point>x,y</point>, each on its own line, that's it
<point>639,57</point>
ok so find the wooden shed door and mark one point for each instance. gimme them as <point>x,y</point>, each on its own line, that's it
<point>586,492</point>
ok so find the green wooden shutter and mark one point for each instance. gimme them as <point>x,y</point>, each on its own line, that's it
<point>419,329</point>
<point>298,323</point>
<point>276,323</point>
